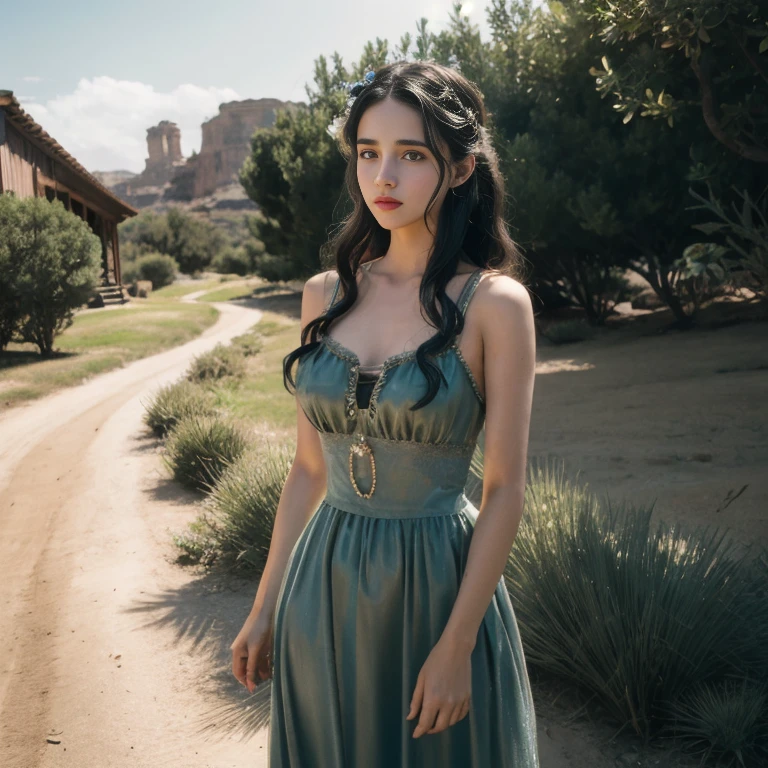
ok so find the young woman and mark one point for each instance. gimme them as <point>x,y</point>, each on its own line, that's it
<point>382,616</point>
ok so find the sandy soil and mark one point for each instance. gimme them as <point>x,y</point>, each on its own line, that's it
<point>675,419</point>
<point>113,655</point>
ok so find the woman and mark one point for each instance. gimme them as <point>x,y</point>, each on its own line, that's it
<point>382,615</point>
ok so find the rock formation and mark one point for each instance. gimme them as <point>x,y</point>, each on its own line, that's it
<point>226,141</point>
<point>168,176</point>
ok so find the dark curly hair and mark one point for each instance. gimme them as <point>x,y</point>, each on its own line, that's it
<point>471,222</point>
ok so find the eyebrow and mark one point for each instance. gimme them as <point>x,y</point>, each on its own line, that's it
<point>399,142</point>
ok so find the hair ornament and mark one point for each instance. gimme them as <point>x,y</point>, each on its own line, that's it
<point>353,91</point>
<point>356,88</point>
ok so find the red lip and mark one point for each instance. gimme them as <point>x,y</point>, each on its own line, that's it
<point>387,200</point>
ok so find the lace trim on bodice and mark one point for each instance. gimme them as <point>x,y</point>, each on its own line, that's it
<point>357,372</point>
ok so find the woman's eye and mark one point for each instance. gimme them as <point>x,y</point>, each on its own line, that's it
<point>410,152</point>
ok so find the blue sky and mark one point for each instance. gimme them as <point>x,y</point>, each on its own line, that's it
<point>96,75</point>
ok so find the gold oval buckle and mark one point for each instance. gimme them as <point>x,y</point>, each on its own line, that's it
<point>362,448</point>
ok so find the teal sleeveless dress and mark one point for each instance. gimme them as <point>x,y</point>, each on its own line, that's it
<point>373,577</point>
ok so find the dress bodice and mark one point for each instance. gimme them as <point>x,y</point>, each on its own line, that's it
<point>327,388</point>
<point>328,379</point>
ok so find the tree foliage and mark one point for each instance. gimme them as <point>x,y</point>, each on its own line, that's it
<point>593,192</point>
<point>192,242</point>
<point>50,262</point>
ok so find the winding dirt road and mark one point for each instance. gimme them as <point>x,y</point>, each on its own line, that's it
<point>110,654</point>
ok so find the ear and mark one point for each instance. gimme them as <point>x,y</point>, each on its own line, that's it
<point>463,170</point>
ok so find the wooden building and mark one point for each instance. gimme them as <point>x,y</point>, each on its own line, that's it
<point>32,163</point>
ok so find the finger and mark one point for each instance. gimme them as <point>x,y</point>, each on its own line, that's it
<point>442,720</point>
<point>238,665</point>
<point>429,714</point>
<point>264,669</point>
<point>416,699</point>
<point>455,715</point>
<point>251,669</point>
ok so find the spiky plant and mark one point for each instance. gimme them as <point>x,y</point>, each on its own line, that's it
<point>198,449</point>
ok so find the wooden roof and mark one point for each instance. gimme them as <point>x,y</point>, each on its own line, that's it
<point>22,120</point>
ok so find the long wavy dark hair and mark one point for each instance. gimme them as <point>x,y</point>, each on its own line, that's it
<point>471,222</point>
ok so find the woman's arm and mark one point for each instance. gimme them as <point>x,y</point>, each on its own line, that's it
<point>509,363</point>
<point>443,689</point>
<point>302,493</point>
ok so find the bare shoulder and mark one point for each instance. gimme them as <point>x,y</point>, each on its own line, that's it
<point>504,308</point>
<point>316,294</point>
<point>498,292</point>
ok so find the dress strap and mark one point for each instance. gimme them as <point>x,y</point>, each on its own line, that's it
<point>366,266</point>
<point>333,295</point>
<point>469,289</point>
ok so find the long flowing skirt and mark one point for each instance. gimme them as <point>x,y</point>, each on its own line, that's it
<point>363,602</point>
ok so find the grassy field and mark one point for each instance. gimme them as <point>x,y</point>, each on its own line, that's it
<point>178,290</point>
<point>238,291</point>
<point>102,339</point>
<point>261,397</point>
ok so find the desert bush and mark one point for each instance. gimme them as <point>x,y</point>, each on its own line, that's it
<point>191,241</point>
<point>232,261</point>
<point>234,530</point>
<point>249,343</point>
<point>217,363</point>
<point>129,272</point>
<point>637,616</point>
<point>198,449</point>
<point>174,402</point>
<point>728,720</point>
<point>50,262</point>
<point>130,251</point>
<point>159,268</point>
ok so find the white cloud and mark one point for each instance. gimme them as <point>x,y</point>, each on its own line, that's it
<point>31,78</point>
<point>103,123</point>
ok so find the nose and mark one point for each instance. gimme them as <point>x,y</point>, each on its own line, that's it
<point>385,178</point>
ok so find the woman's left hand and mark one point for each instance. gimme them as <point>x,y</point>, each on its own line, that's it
<point>443,689</point>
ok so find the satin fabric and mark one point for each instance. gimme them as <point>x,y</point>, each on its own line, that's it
<point>370,583</point>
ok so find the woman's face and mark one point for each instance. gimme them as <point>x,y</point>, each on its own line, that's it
<point>406,171</point>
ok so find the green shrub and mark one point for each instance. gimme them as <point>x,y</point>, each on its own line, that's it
<point>235,529</point>
<point>249,343</point>
<point>191,241</point>
<point>635,615</point>
<point>217,363</point>
<point>50,262</point>
<point>728,720</point>
<point>198,449</point>
<point>232,261</point>
<point>174,402</point>
<point>195,544</point>
<point>569,331</point>
<point>130,252</point>
<point>160,269</point>
<point>129,272</point>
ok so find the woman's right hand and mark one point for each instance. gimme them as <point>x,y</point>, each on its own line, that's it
<point>252,651</point>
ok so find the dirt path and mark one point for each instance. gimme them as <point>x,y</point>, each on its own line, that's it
<point>106,646</point>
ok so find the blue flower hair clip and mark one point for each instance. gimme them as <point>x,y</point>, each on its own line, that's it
<point>356,88</point>
<point>353,92</point>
